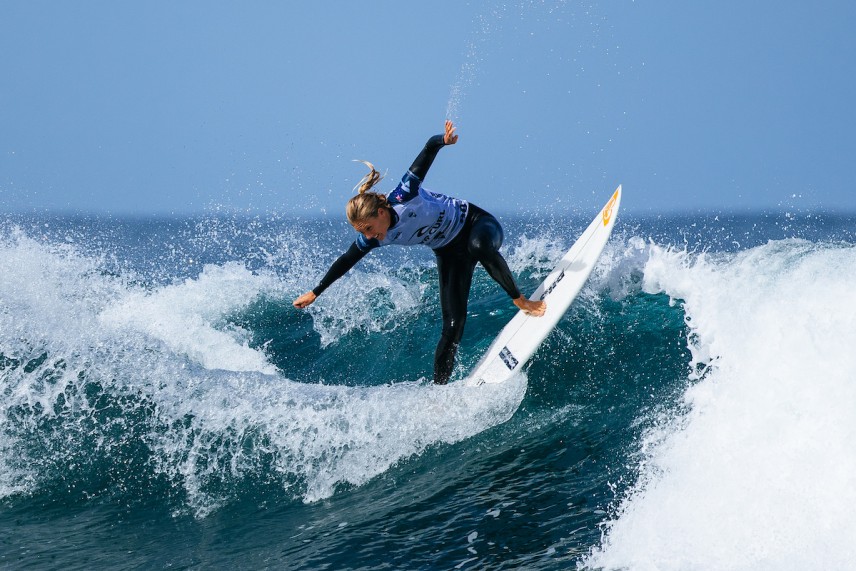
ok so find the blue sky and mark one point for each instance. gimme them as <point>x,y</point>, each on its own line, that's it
<point>183,107</point>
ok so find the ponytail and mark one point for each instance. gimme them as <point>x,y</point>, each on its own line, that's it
<point>368,181</point>
<point>366,204</point>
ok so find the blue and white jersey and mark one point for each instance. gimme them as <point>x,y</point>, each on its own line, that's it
<point>420,217</point>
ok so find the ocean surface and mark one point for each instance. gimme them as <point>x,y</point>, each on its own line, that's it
<point>163,405</point>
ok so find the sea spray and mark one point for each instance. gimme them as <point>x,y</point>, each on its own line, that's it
<point>367,301</point>
<point>485,26</point>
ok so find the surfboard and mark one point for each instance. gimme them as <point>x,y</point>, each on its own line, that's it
<point>519,340</point>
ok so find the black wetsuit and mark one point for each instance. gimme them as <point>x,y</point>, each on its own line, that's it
<point>464,235</point>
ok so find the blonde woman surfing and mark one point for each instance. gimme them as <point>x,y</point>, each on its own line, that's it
<point>461,235</point>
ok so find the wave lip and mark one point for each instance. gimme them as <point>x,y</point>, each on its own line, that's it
<point>760,473</point>
<point>184,317</point>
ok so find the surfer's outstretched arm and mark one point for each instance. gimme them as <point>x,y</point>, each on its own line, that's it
<point>339,268</point>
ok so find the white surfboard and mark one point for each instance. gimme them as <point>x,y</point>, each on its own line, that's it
<point>519,340</point>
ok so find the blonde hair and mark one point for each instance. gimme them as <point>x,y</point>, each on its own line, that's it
<point>366,204</point>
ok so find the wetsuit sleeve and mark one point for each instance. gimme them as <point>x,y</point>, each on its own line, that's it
<point>423,161</point>
<point>340,267</point>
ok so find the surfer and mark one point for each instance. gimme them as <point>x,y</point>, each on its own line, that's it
<point>461,235</point>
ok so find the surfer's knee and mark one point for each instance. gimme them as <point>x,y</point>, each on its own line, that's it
<point>453,330</point>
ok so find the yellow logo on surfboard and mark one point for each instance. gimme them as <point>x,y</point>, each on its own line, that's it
<point>607,210</point>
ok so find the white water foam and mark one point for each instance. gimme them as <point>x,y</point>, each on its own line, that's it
<point>760,473</point>
<point>319,437</point>
<point>41,305</point>
<point>211,410</point>
<point>188,317</point>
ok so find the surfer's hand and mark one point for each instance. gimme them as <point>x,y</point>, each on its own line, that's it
<point>450,138</point>
<point>305,300</point>
<point>529,307</point>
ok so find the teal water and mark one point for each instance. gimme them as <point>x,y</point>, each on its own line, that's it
<point>164,406</point>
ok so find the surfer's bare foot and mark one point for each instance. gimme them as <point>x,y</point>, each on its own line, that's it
<point>529,307</point>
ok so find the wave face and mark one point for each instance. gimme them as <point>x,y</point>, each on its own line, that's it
<point>760,471</point>
<point>691,411</point>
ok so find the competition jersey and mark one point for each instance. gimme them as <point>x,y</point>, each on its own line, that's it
<point>420,217</point>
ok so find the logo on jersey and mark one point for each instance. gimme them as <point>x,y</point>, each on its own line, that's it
<point>427,232</point>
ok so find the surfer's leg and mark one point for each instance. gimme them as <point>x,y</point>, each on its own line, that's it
<point>456,276</point>
<point>483,244</point>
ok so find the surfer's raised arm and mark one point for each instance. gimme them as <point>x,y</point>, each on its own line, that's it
<point>426,157</point>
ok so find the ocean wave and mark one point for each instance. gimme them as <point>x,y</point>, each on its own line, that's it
<point>113,387</point>
<point>758,472</point>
